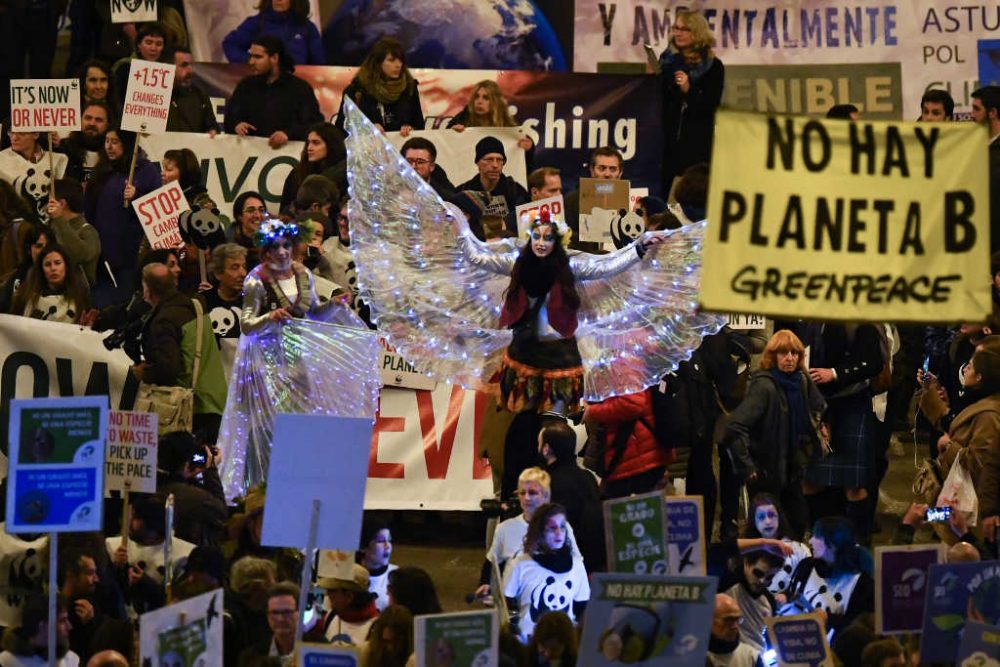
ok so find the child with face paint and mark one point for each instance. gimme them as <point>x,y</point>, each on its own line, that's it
<point>766,521</point>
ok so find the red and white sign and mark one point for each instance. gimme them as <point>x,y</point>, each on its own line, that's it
<point>526,212</point>
<point>45,105</point>
<point>147,97</point>
<point>398,372</point>
<point>131,451</point>
<point>158,212</point>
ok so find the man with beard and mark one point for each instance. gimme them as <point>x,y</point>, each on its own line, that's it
<point>79,585</point>
<point>83,148</point>
<point>190,107</point>
<point>27,645</point>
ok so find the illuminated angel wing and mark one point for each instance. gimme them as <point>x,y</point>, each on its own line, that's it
<point>637,325</point>
<point>438,309</point>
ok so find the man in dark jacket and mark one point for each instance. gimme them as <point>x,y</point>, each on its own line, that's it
<point>505,193</point>
<point>191,109</point>
<point>986,111</point>
<point>575,489</point>
<point>272,102</point>
<point>200,511</point>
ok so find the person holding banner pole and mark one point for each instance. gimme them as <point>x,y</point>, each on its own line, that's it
<point>30,168</point>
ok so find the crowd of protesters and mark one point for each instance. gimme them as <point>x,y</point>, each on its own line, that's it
<point>801,419</point>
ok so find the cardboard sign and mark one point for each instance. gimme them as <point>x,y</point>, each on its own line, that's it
<point>294,480</point>
<point>186,633</point>
<point>56,477</point>
<point>465,639</point>
<point>800,640</point>
<point>956,593</point>
<point>396,371</point>
<point>325,655</point>
<point>45,105</point>
<point>746,321</point>
<point>863,221</point>
<point>131,455</point>
<point>158,212</point>
<point>901,586</point>
<point>147,97</point>
<point>685,535</point>
<point>601,204</point>
<point>647,620</point>
<point>133,11</point>
<point>636,534</point>
<point>525,213</point>
<point>980,646</point>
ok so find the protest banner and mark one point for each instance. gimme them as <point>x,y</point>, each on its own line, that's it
<point>980,646</point>
<point>526,212</point>
<point>56,477</point>
<point>566,115</point>
<point>901,586</point>
<point>23,571</point>
<point>130,462</point>
<point>133,11</point>
<point>185,633</point>
<point>685,535</point>
<point>45,105</point>
<point>325,655</point>
<point>158,212</point>
<point>636,534</point>
<point>799,640</point>
<point>956,593</point>
<point>147,97</point>
<point>463,639</point>
<point>398,372</point>
<point>647,621</point>
<point>601,205</point>
<point>425,449</point>
<point>831,220</point>
<point>746,321</point>
<point>932,45</point>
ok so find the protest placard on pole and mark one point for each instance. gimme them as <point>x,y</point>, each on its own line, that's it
<point>901,585</point>
<point>647,621</point>
<point>396,371</point>
<point>799,640</point>
<point>685,534</point>
<point>325,655</point>
<point>980,645</point>
<point>130,462</point>
<point>158,214</point>
<point>45,105</point>
<point>185,633</point>
<point>956,593</point>
<point>526,212</point>
<point>746,321</point>
<point>463,639</point>
<point>851,221</point>
<point>636,534</point>
<point>147,102</point>
<point>601,204</point>
<point>133,11</point>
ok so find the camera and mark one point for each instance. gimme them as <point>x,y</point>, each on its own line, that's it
<point>938,514</point>
<point>126,337</point>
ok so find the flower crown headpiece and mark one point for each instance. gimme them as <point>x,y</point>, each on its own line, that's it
<point>273,229</point>
<point>561,229</point>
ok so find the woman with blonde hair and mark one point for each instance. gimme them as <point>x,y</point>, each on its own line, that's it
<point>692,90</point>
<point>487,108</point>
<point>775,431</point>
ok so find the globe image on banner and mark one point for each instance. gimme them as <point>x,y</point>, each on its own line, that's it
<point>492,34</point>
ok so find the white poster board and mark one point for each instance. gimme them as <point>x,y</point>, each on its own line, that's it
<point>186,633</point>
<point>131,454</point>
<point>158,213</point>
<point>398,372</point>
<point>147,97</point>
<point>45,105</point>
<point>133,11</point>
<point>295,480</point>
<point>526,212</point>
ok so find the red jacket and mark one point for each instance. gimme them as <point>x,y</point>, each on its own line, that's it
<point>642,452</point>
<point>561,316</point>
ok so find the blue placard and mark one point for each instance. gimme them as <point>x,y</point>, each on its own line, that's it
<point>980,644</point>
<point>685,539</point>
<point>324,655</point>
<point>957,593</point>
<point>56,480</point>
<point>799,640</point>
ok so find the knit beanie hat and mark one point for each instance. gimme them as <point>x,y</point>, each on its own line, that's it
<point>488,145</point>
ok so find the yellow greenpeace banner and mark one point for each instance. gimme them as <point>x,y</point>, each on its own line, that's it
<point>834,220</point>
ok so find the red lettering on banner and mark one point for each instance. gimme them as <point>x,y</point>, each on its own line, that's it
<point>378,468</point>
<point>480,465</point>
<point>438,456</point>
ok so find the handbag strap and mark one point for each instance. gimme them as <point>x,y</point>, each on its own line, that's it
<point>200,328</point>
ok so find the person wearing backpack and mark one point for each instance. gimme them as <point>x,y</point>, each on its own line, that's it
<point>633,459</point>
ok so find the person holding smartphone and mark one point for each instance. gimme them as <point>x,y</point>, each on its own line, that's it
<point>188,469</point>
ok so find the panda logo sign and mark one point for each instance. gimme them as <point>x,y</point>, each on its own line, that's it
<point>626,227</point>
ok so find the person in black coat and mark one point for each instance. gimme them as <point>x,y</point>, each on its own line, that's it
<point>692,90</point>
<point>272,102</point>
<point>575,489</point>
<point>385,91</point>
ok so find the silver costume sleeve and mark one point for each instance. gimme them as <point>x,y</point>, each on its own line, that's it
<point>253,316</point>
<point>586,266</point>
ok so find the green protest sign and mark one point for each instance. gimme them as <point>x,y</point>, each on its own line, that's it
<point>636,534</point>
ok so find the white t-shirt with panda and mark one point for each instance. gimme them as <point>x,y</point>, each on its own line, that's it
<point>539,590</point>
<point>31,179</point>
<point>784,576</point>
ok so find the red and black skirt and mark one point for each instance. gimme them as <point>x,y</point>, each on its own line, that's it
<point>535,374</point>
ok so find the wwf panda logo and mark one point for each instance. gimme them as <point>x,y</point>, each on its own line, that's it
<point>33,185</point>
<point>626,227</point>
<point>223,320</point>
<point>556,594</point>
